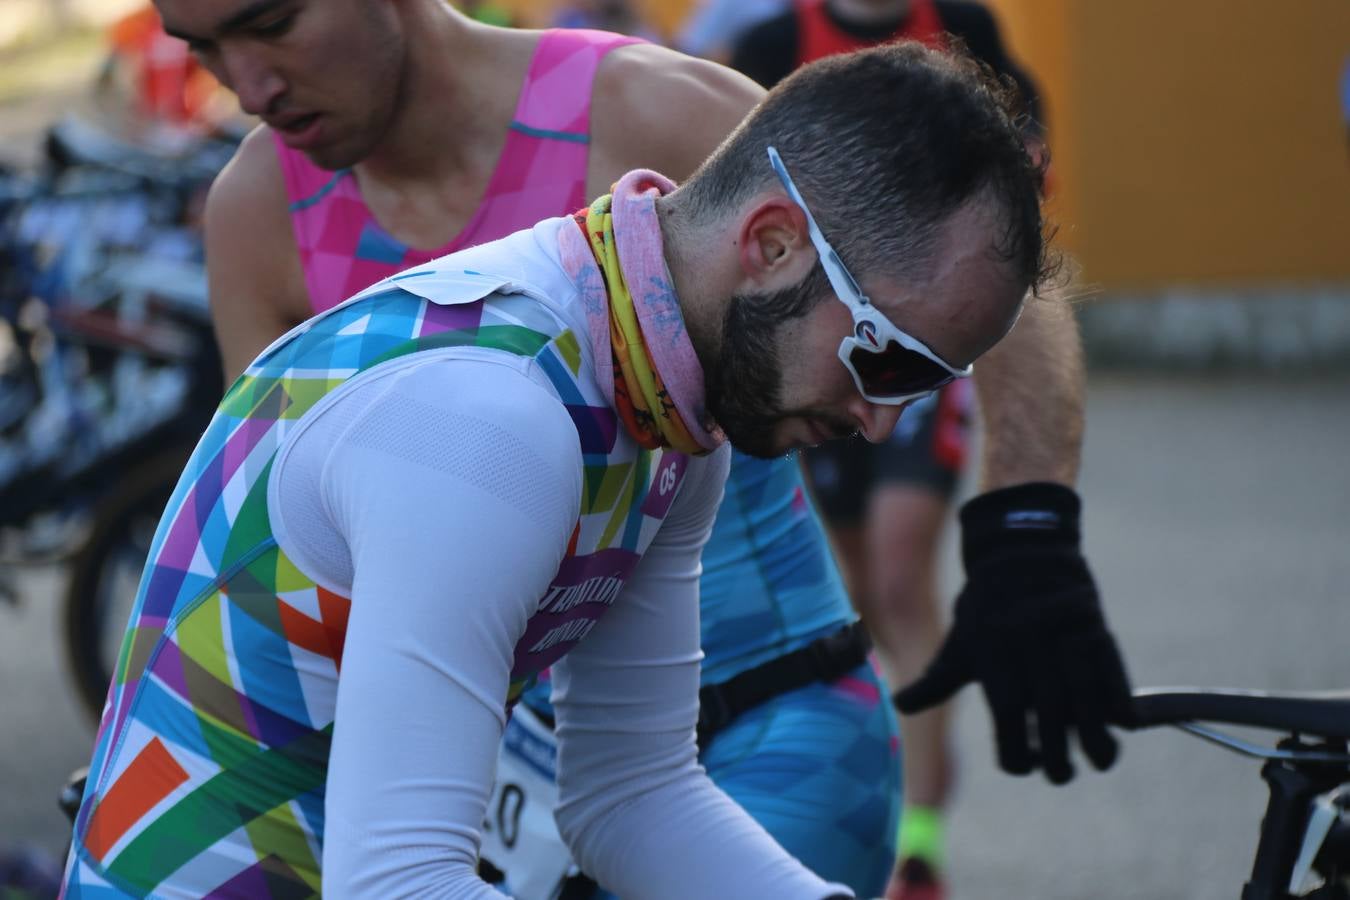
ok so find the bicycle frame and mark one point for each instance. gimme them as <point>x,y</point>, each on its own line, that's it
<point>1306,826</point>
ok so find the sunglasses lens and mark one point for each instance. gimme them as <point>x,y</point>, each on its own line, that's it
<point>895,371</point>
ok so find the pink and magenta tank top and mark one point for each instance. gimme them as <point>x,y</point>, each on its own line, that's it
<point>541,173</point>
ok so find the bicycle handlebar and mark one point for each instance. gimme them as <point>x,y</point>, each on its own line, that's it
<point>1321,713</point>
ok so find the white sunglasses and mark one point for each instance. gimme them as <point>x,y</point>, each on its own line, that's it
<point>889,366</point>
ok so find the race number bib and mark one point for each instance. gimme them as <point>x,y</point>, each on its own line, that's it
<point>519,836</point>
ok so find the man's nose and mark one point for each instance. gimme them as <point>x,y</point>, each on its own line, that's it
<point>257,83</point>
<point>876,421</point>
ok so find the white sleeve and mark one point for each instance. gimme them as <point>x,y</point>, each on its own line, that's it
<point>453,486</point>
<point>637,810</point>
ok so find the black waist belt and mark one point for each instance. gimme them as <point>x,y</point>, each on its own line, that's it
<point>824,659</point>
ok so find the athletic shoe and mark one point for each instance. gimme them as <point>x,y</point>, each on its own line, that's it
<point>915,879</point>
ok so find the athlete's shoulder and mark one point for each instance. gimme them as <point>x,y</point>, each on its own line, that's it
<point>250,185</point>
<point>668,88</point>
<point>256,284</point>
<point>979,29</point>
<point>661,109</point>
<point>774,29</point>
<point>974,24</point>
<point>968,13</point>
<point>767,52</point>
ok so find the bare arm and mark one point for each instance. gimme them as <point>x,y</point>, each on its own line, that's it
<point>658,109</point>
<point>253,269</point>
<point>1030,388</point>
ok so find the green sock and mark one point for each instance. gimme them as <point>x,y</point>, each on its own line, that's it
<point>921,835</point>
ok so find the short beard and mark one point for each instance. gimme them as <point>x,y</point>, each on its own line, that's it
<point>745,383</point>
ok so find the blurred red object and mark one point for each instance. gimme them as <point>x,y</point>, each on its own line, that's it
<point>170,85</point>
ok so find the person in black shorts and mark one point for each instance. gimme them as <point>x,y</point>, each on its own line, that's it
<point>927,448</point>
<point>886,504</point>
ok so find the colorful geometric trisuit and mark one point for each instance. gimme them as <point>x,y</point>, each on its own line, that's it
<point>770,584</point>
<point>211,757</point>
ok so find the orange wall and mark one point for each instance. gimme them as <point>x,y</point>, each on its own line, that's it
<point>663,15</point>
<point>1197,141</point>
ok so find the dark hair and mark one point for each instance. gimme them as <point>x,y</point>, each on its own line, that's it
<point>884,145</point>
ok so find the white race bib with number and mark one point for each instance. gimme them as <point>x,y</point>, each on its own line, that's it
<point>519,836</point>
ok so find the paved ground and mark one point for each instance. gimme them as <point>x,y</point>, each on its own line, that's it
<point>1218,522</point>
<point>1218,518</point>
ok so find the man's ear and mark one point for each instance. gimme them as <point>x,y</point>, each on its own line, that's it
<point>773,243</point>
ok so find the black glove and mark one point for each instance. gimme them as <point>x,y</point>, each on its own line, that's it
<point>1029,628</point>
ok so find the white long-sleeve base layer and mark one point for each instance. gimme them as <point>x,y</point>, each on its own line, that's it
<point>439,493</point>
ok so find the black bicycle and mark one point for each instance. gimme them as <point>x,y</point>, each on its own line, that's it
<point>1303,850</point>
<point>108,366</point>
<point>1304,845</point>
